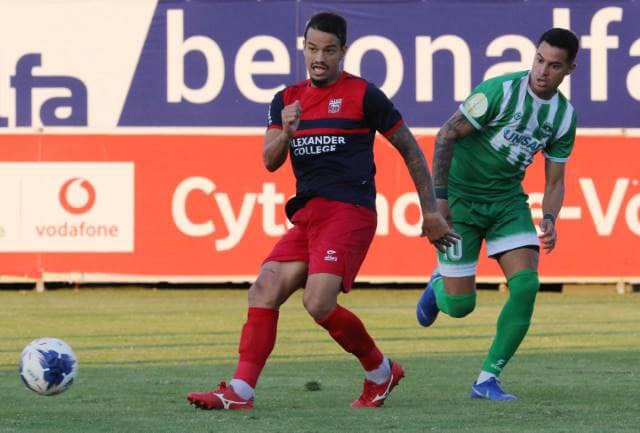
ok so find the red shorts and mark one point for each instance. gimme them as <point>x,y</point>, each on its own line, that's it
<point>330,236</point>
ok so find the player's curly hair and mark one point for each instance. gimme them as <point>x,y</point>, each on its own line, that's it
<point>328,22</point>
<point>562,38</point>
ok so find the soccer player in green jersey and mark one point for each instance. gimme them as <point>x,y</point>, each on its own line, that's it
<point>480,158</point>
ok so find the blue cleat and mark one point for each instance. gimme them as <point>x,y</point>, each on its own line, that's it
<point>427,308</point>
<point>490,390</point>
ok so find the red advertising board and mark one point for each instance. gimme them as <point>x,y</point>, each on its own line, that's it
<point>204,208</point>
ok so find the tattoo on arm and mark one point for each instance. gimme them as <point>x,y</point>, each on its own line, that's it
<point>403,140</point>
<point>454,129</point>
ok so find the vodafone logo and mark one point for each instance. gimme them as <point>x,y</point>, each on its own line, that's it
<point>77,196</point>
<point>67,207</point>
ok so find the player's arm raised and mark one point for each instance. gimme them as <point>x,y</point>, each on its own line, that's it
<point>276,141</point>
<point>551,203</point>
<point>454,129</point>
<point>434,227</point>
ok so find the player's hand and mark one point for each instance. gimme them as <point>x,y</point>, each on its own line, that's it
<point>436,229</point>
<point>291,118</point>
<point>549,236</point>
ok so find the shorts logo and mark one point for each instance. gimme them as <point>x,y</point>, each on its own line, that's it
<point>335,105</point>
<point>85,204</point>
<point>330,256</point>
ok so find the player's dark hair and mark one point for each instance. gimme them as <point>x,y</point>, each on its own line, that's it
<point>328,22</point>
<point>562,38</point>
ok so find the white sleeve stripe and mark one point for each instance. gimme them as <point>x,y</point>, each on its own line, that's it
<point>469,117</point>
<point>554,158</point>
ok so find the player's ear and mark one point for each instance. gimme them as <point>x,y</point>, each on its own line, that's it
<point>571,69</point>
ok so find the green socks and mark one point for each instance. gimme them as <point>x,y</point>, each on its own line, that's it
<point>514,320</point>
<point>453,305</point>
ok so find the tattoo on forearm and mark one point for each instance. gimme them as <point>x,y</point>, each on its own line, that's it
<point>450,132</point>
<point>403,140</point>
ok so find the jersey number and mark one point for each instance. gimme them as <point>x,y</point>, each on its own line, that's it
<point>454,252</point>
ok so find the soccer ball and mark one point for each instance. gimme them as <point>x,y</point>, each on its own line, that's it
<point>48,366</point>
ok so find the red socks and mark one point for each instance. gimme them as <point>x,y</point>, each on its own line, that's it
<point>350,333</point>
<point>258,338</point>
<point>256,343</point>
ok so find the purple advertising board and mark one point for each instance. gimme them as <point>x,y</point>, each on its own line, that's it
<point>209,63</point>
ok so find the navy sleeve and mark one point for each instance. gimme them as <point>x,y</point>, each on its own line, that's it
<point>275,111</point>
<point>379,111</point>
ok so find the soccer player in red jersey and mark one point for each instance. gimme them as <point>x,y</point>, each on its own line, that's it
<point>327,125</point>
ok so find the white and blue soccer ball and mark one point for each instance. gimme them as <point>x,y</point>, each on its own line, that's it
<point>48,366</point>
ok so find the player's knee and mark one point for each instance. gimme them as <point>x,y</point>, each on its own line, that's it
<point>317,307</point>
<point>523,286</point>
<point>460,305</point>
<point>262,292</point>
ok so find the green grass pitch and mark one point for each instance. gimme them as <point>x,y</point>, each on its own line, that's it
<point>140,351</point>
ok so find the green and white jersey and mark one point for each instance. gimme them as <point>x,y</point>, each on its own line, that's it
<point>512,124</point>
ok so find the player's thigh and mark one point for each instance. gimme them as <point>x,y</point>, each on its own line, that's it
<point>460,260</point>
<point>512,229</point>
<point>340,239</point>
<point>276,282</point>
<point>293,246</point>
<point>283,271</point>
<point>458,264</point>
<point>517,260</point>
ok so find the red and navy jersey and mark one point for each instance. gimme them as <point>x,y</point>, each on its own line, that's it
<point>332,150</point>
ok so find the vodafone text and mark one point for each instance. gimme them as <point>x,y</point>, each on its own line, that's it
<point>398,213</point>
<point>81,230</point>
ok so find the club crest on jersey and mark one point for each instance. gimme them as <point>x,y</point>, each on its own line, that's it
<point>547,129</point>
<point>334,105</point>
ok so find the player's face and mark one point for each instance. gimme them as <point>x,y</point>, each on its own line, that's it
<point>550,66</point>
<point>322,56</point>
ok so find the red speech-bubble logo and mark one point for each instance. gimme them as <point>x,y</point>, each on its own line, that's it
<point>81,183</point>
